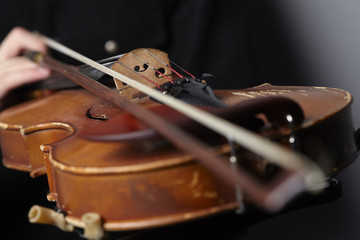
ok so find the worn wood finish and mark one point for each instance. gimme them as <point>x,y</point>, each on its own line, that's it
<point>150,184</point>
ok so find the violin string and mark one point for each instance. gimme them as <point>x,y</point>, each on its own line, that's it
<point>156,70</point>
<point>178,74</point>
<point>147,79</point>
<point>182,69</point>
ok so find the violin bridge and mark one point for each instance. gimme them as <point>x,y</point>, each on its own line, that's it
<point>147,66</point>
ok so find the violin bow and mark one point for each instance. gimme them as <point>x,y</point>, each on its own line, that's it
<point>301,172</point>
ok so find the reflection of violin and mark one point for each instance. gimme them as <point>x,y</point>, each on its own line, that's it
<point>131,177</point>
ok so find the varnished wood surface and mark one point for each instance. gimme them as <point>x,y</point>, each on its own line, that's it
<point>65,167</point>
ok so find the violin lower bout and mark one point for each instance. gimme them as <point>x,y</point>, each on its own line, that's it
<point>130,201</point>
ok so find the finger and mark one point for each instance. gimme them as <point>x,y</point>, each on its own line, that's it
<point>16,79</point>
<point>22,74</point>
<point>18,40</point>
<point>14,64</point>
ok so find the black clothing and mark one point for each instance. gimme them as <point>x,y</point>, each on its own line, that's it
<point>240,42</point>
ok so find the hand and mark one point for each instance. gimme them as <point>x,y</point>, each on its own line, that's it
<point>16,70</point>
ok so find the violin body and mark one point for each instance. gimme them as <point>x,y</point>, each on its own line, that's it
<point>131,186</point>
<point>143,184</point>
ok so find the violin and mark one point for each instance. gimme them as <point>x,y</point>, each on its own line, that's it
<point>123,159</point>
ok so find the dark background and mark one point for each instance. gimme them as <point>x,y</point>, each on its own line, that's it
<point>243,43</point>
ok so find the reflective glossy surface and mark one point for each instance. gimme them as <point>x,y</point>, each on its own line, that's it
<point>337,217</point>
